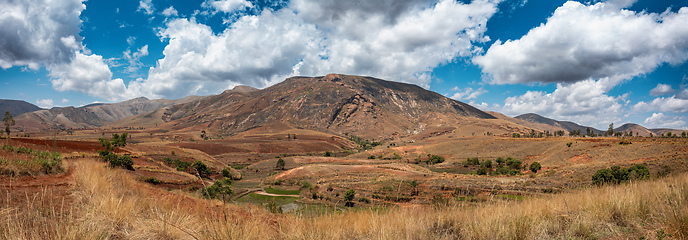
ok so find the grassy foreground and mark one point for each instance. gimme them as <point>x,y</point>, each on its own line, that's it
<point>108,204</point>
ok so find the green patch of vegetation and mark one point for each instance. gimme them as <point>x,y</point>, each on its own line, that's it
<point>364,144</point>
<point>43,162</point>
<point>282,191</point>
<point>151,180</point>
<point>511,197</point>
<point>625,142</point>
<point>434,159</point>
<point>616,174</point>
<point>220,189</point>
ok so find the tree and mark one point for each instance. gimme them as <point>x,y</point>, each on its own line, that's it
<point>535,167</point>
<point>280,164</point>
<point>349,196</point>
<point>610,131</point>
<point>9,121</point>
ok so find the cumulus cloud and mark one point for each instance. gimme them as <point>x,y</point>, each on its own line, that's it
<point>664,104</point>
<point>403,44</point>
<point>467,93</point>
<point>585,102</point>
<point>89,74</point>
<point>134,59</point>
<point>39,32</point>
<point>579,42</point>
<point>170,12</point>
<point>659,120</point>
<point>146,6</point>
<point>661,89</point>
<point>45,103</point>
<point>226,6</point>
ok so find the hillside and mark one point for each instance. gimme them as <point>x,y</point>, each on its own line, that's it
<point>636,129</point>
<point>94,115</point>
<point>340,104</point>
<point>16,107</point>
<point>566,125</point>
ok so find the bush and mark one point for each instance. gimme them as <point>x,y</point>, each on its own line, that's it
<point>126,162</point>
<point>434,159</point>
<point>364,200</point>
<point>616,174</point>
<point>201,168</point>
<point>220,189</point>
<point>151,180</point>
<point>371,157</point>
<point>280,164</point>
<point>328,154</point>
<point>482,171</point>
<point>487,163</point>
<point>349,196</point>
<point>535,167</point>
<point>306,185</point>
<point>513,163</point>
<point>226,173</point>
<point>500,161</point>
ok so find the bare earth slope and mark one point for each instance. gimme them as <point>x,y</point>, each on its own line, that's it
<point>363,106</point>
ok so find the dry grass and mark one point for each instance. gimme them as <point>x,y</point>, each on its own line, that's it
<point>109,204</point>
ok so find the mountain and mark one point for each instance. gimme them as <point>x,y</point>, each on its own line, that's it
<point>16,107</point>
<point>335,103</point>
<point>637,130</point>
<point>93,115</point>
<point>532,125</point>
<point>566,125</point>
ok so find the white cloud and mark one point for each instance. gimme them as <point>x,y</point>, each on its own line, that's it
<point>467,93</point>
<point>134,59</point>
<point>585,102</point>
<point>64,100</point>
<point>38,32</point>
<point>394,40</point>
<point>45,103</point>
<point>668,104</point>
<point>146,6</point>
<point>227,6</point>
<point>170,11</point>
<point>661,89</point>
<point>580,42</point>
<point>89,74</point>
<point>659,120</point>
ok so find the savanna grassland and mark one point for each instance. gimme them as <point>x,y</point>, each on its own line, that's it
<point>400,193</point>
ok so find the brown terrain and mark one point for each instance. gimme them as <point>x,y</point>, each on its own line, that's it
<point>324,128</point>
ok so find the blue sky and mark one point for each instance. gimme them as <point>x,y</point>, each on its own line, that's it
<point>591,62</point>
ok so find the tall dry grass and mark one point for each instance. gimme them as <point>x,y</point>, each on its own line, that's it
<point>109,204</point>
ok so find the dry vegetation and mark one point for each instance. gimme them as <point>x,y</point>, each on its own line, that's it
<point>109,204</point>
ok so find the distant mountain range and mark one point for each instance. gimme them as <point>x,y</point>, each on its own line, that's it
<point>637,130</point>
<point>89,116</point>
<point>16,107</point>
<point>338,104</point>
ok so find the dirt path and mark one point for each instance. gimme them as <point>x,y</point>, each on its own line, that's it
<point>275,195</point>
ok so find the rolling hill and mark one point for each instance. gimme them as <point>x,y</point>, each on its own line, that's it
<point>16,107</point>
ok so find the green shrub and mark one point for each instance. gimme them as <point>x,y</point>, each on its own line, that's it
<point>306,185</point>
<point>201,168</point>
<point>371,157</point>
<point>151,180</point>
<point>434,159</point>
<point>482,171</point>
<point>220,189</point>
<point>513,163</point>
<point>349,196</point>
<point>535,167</point>
<point>616,174</point>
<point>280,164</point>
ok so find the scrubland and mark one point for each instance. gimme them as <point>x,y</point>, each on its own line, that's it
<point>108,203</point>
